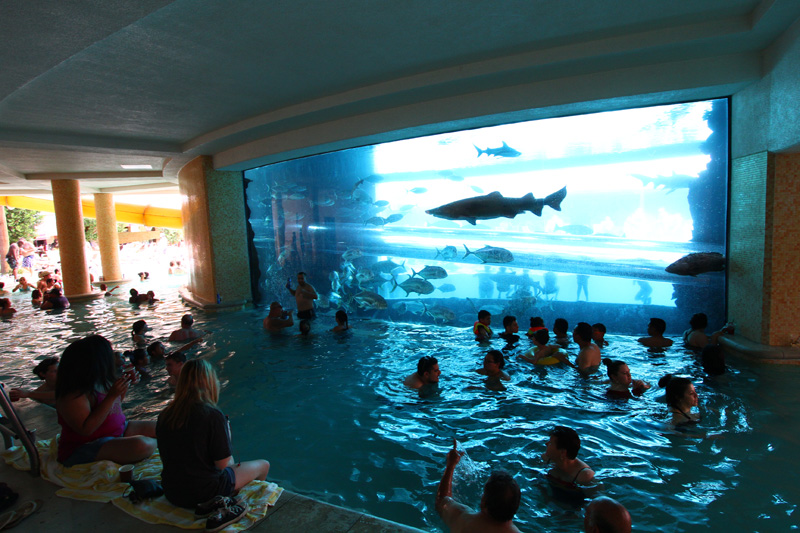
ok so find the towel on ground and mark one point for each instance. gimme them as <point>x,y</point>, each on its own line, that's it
<point>99,482</point>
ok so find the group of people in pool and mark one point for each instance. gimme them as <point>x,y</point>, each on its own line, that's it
<point>46,294</point>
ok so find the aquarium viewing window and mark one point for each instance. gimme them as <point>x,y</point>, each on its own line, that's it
<point>575,216</point>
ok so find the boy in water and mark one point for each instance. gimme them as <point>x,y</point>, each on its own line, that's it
<point>481,328</point>
<point>599,334</point>
<point>560,328</point>
<point>588,360</point>
<point>511,328</point>
<point>656,339</point>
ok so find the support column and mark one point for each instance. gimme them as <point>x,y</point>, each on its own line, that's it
<point>107,237</point>
<point>71,238</point>
<point>4,240</point>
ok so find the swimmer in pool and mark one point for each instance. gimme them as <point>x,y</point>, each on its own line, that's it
<point>568,473</point>
<point>138,334</point>
<point>588,359</point>
<point>606,515</point>
<point>680,397</point>
<point>186,333</point>
<point>481,328</point>
<point>543,353</point>
<point>137,298</point>
<point>140,360</point>
<point>621,382</point>
<point>22,285</point>
<point>341,322</point>
<point>304,295</point>
<point>277,319</point>
<point>427,373</point>
<point>46,370</point>
<point>599,335</point>
<point>104,289</point>
<point>36,297</point>
<point>560,329</point>
<point>696,337</point>
<point>499,503</point>
<point>5,307</point>
<point>537,323</point>
<point>655,332</point>
<point>511,328</point>
<point>493,363</point>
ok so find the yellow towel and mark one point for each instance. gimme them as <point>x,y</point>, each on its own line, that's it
<point>99,482</point>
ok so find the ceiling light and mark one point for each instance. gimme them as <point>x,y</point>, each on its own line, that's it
<point>137,167</point>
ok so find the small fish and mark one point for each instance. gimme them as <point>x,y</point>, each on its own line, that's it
<point>447,287</point>
<point>489,254</point>
<point>430,272</point>
<point>351,254</point>
<point>394,218</point>
<point>375,221</point>
<point>503,151</point>
<point>697,263</point>
<point>448,253</point>
<point>495,205</point>
<point>418,190</point>
<point>407,207</point>
<point>575,229</point>
<point>370,300</point>
<point>476,189</point>
<point>419,286</point>
<point>381,203</point>
<point>364,275</point>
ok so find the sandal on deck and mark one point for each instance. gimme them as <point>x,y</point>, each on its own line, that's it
<point>13,518</point>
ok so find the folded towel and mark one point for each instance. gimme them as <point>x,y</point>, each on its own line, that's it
<point>99,481</point>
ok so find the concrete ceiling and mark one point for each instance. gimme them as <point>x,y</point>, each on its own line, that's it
<point>89,85</point>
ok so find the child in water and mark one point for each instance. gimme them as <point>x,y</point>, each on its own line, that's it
<point>537,323</point>
<point>481,327</point>
<point>139,329</point>
<point>341,322</point>
<point>560,328</point>
<point>493,364</point>
<point>621,382</point>
<point>543,353</point>
<point>599,334</point>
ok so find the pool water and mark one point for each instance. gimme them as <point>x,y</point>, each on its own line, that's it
<point>331,415</point>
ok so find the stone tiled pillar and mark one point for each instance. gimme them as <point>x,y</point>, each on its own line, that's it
<point>107,237</point>
<point>71,239</point>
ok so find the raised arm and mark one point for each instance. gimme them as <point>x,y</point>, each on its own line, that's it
<point>450,510</point>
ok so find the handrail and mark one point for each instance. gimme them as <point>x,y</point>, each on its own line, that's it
<point>11,427</point>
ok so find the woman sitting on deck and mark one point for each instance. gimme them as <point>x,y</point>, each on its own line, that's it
<point>89,407</point>
<point>195,445</point>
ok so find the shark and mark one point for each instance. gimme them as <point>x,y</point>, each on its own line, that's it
<point>495,205</point>
<point>503,151</point>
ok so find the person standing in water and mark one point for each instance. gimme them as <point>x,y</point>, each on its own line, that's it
<point>305,295</point>
<point>588,360</point>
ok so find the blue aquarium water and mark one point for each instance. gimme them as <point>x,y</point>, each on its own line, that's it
<point>332,416</point>
<point>575,216</point>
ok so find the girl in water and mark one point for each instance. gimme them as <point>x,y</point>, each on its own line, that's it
<point>621,382</point>
<point>543,353</point>
<point>680,397</point>
<point>89,407</point>
<point>139,329</point>
<point>341,322</point>
<point>46,370</point>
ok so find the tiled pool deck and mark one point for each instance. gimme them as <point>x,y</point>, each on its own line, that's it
<point>292,513</point>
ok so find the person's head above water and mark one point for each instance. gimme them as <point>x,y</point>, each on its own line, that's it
<point>567,440</point>
<point>509,322</point>
<point>698,321</point>
<point>44,366</point>
<point>582,332</point>
<point>134,292</point>
<point>560,327</point>
<point>428,369</point>
<point>484,316</point>
<point>156,349</point>
<point>186,321</point>
<point>139,327</point>
<point>679,393</point>
<point>495,357</point>
<point>537,322</point>
<point>656,327</point>
<point>604,515</point>
<point>618,371</point>
<point>542,336</point>
<point>341,317</point>
<point>275,309</point>
<point>501,496</point>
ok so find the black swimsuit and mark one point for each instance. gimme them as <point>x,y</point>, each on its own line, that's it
<point>567,490</point>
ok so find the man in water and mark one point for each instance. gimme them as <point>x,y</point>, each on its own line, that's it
<point>305,295</point>
<point>605,515</point>
<point>277,319</point>
<point>588,360</point>
<point>186,333</point>
<point>427,372</point>
<point>499,503</point>
<point>656,339</point>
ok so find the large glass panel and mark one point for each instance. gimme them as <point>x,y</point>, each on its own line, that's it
<point>574,217</point>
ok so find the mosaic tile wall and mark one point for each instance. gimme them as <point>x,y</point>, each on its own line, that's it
<point>784,289</point>
<point>746,257</point>
<point>194,209</point>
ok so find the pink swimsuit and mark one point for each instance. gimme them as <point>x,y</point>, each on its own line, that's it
<point>112,426</point>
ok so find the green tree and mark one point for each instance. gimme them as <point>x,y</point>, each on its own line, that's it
<point>174,236</point>
<point>90,228</point>
<point>22,223</point>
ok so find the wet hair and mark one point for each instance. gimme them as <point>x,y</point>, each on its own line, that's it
<point>152,348</point>
<point>187,320</point>
<point>599,327</point>
<point>658,325</point>
<point>138,326</point>
<point>341,316</point>
<point>302,274</point>
<point>134,292</point>
<point>584,331</point>
<point>676,387</point>
<point>5,303</point>
<point>560,326</point>
<point>567,439</point>
<point>103,287</point>
<point>43,365</point>
<point>698,321</point>
<point>508,320</point>
<point>425,364</point>
<point>197,385</point>
<point>305,326</point>
<point>713,359</point>
<point>139,354</point>
<point>542,336</point>
<point>537,322</point>
<point>502,496</point>
<point>613,366</point>
<point>178,357</point>
<point>36,293</point>
<point>86,365</point>
<point>497,357</point>
<point>483,313</point>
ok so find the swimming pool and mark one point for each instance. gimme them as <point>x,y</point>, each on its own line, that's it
<point>331,415</point>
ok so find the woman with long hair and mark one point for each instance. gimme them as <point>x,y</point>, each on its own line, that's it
<point>621,381</point>
<point>89,406</point>
<point>195,445</point>
<point>680,397</point>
